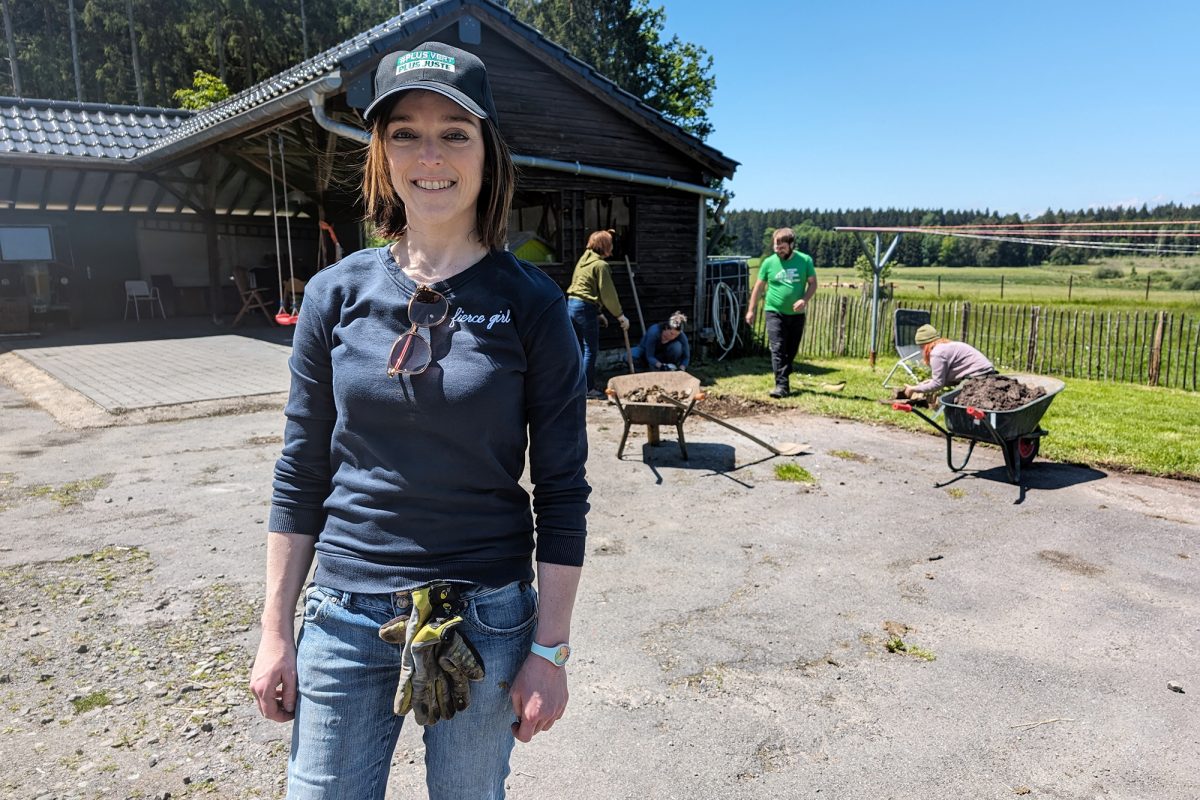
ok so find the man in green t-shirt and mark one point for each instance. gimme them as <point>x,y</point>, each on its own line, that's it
<point>790,281</point>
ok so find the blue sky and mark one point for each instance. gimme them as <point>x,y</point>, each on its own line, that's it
<point>1015,106</point>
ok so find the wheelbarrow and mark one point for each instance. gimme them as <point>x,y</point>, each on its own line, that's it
<point>651,412</point>
<point>670,408</point>
<point>1016,432</point>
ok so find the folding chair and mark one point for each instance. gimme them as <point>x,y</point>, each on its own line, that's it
<point>136,292</point>
<point>905,325</point>
<point>251,297</point>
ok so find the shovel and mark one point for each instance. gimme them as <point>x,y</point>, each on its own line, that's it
<point>628,350</point>
<point>784,449</point>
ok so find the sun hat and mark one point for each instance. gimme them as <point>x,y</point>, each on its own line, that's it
<point>926,334</point>
<point>435,67</point>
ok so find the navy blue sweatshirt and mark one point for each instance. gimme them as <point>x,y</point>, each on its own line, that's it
<point>412,479</point>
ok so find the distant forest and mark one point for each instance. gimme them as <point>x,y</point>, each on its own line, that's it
<point>141,51</point>
<point>749,233</point>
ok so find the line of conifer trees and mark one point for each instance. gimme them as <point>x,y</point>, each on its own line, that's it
<point>749,233</point>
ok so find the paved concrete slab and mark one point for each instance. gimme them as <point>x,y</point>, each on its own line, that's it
<point>125,376</point>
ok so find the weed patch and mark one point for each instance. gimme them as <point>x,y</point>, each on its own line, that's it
<point>898,645</point>
<point>849,455</point>
<point>793,473</point>
<point>89,701</point>
<point>69,494</point>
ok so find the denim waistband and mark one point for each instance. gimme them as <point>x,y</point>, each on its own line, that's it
<point>401,601</point>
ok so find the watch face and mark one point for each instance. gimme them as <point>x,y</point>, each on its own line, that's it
<point>562,654</point>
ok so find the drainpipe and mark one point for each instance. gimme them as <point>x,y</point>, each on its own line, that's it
<point>316,101</point>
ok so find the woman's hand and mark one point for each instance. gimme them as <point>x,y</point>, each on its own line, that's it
<point>623,321</point>
<point>539,697</point>
<point>273,677</point>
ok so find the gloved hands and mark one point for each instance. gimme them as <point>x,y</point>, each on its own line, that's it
<point>623,321</point>
<point>437,663</point>
<point>670,367</point>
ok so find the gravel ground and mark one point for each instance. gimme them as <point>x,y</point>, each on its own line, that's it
<point>883,631</point>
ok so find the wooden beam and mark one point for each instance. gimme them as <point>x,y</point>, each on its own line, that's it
<point>104,190</point>
<point>79,178</point>
<point>46,179</point>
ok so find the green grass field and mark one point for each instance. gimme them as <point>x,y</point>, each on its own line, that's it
<point>1104,425</point>
<point>1043,285</point>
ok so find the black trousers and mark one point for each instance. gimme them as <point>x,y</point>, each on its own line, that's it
<point>784,332</point>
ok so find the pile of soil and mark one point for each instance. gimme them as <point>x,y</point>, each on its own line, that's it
<point>997,393</point>
<point>655,394</point>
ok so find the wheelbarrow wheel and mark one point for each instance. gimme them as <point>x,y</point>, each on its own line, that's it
<point>1025,449</point>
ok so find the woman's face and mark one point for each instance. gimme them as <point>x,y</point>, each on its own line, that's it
<point>435,155</point>
<point>669,335</point>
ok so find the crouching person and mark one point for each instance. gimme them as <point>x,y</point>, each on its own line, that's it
<point>665,346</point>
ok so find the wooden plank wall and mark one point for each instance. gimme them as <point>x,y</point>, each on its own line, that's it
<point>664,261</point>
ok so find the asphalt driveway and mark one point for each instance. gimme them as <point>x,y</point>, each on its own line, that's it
<point>732,631</point>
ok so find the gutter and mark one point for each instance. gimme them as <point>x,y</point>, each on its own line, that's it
<point>241,122</point>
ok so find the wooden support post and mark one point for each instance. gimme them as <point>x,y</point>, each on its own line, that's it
<point>1156,348</point>
<point>1033,340</point>
<point>843,307</point>
<point>966,319</point>
<point>1001,287</point>
<point>1070,284</point>
<point>1147,287</point>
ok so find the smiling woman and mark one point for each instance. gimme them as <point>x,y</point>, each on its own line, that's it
<point>422,374</point>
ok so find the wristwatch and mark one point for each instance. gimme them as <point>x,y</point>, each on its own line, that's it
<point>556,655</point>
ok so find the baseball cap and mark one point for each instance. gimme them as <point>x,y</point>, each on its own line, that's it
<point>926,334</point>
<point>435,67</point>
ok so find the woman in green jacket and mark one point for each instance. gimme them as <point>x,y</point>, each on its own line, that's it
<point>592,287</point>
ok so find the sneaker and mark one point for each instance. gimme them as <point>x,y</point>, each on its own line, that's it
<point>596,394</point>
<point>779,392</point>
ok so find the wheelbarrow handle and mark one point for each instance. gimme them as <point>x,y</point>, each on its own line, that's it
<point>901,406</point>
<point>974,413</point>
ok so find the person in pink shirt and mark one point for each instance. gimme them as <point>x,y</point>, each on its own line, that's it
<point>951,362</point>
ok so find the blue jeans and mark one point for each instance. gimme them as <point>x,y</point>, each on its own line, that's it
<point>345,732</point>
<point>585,318</point>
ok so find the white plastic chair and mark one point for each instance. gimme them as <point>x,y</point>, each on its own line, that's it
<point>137,291</point>
<point>907,320</point>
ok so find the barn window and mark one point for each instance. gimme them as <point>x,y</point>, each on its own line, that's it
<point>612,212</point>
<point>533,227</point>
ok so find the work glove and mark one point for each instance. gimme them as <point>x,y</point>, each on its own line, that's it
<point>670,367</point>
<point>445,665</point>
<point>623,321</point>
<point>437,662</point>
<point>402,630</point>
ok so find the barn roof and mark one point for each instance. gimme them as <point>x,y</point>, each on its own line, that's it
<point>95,130</point>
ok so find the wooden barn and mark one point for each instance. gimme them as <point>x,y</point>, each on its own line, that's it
<point>261,185</point>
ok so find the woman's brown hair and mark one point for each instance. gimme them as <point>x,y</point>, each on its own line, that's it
<point>386,210</point>
<point>601,243</point>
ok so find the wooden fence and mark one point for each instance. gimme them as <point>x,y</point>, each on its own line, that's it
<point>1155,348</point>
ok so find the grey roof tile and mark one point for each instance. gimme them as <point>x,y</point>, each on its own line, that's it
<point>56,127</point>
